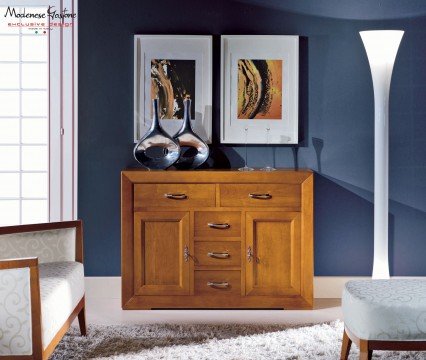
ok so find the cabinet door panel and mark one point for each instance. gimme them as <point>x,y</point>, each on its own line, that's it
<point>273,253</point>
<point>161,267</point>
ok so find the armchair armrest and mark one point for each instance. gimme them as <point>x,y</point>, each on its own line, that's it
<point>20,307</point>
<point>19,263</point>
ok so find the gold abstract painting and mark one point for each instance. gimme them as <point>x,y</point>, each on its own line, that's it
<point>259,89</point>
<point>171,82</point>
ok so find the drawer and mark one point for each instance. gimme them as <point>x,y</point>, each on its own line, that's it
<point>217,253</point>
<point>174,195</point>
<point>217,224</point>
<point>261,195</point>
<point>217,282</point>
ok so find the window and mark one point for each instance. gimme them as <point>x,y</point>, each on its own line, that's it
<point>37,115</point>
<point>23,124</point>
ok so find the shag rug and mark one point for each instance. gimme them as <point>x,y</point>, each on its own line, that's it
<point>212,342</point>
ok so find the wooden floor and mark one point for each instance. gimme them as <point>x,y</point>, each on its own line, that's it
<point>105,311</point>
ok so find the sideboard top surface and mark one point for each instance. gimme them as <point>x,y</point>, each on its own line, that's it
<point>217,176</point>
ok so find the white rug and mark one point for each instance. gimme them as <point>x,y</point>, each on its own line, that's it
<point>212,342</point>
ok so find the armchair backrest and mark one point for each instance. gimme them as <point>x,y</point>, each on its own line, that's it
<point>60,241</point>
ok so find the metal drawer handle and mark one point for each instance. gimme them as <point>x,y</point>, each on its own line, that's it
<point>176,196</point>
<point>218,255</point>
<point>260,196</point>
<point>219,226</point>
<point>222,285</point>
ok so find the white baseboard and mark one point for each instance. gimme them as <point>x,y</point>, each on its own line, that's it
<point>103,287</point>
<point>110,287</point>
<point>332,286</point>
<point>326,287</point>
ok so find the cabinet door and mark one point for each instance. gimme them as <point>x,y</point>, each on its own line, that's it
<point>161,257</point>
<point>273,253</point>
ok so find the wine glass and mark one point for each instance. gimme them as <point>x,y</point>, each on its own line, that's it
<point>267,167</point>
<point>245,167</point>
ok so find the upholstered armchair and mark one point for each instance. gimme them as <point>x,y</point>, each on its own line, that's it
<point>41,287</point>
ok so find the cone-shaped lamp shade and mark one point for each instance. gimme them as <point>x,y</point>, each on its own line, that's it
<point>381,47</point>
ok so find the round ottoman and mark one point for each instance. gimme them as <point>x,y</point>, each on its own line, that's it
<point>384,315</point>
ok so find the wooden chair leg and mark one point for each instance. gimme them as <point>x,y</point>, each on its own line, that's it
<point>364,352</point>
<point>82,321</point>
<point>346,346</point>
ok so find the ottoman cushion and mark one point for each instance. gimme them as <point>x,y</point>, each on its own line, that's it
<point>385,309</point>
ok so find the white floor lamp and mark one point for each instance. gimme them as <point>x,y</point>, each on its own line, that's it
<point>381,47</point>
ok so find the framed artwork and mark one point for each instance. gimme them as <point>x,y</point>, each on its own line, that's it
<point>171,67</point>
<point>259,89</point>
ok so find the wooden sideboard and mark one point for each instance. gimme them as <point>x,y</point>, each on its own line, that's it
<point>217,239</point>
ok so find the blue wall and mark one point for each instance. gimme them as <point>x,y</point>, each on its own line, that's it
<point>337,107</point>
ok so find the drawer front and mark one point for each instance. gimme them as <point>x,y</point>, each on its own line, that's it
<point>217,282</point>
<point>174,195</point>
<point>261,195</point>
<point>217,253</point>
<point>217,224</point>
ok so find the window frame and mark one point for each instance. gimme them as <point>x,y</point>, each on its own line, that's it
<point>62,114</point>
